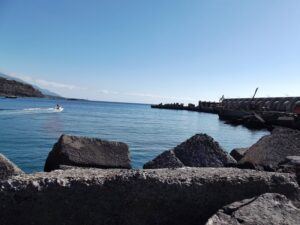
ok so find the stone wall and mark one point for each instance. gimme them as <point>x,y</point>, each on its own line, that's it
<point>282,104</point>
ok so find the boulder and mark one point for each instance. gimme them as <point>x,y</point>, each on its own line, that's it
<point>165,160</point>
<point>269,208</point>
<point>7,168</point>
<point>93,196</point>
<point>284,130</point>
<point>290,165</point>
<point>272,149</point>
<point>238,153</point>
<point>198,151</point>
<point>87,152</point>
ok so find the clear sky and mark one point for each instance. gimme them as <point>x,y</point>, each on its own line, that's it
<point>153,50</point>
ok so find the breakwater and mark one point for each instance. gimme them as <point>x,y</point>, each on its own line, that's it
<point>192,183</point>
<point>209,107</point>
<point>254,113</point>
<point>279,104</point>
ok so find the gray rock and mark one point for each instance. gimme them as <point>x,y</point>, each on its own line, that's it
<point>291,164</point>
<point>269,208</point>
<point>8,168</point>
<point>64,167</point>
<point>202,151</point>
<point>187,196</point>
<point>284,130</point>
<point>272,149</point>
<point>87,152</point>
<point>198,151</point>
<point>165,160</point>
<point>295,160</point>
<point>238,153</point>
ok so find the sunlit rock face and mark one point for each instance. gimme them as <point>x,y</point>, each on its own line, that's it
<point>87,152</point>
<point>200,150</point>
<point>79,196</point>
<point>8,168</point>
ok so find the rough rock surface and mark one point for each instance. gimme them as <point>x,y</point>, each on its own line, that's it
<point>238,153</point>
<point>165,160</point>
<point>198,151</point>
<point>269,208</point>
<point>290,165</point>
<point>272,149</point>
<point>87,152</point>
<point>7,168</point>
<point>133,197</point>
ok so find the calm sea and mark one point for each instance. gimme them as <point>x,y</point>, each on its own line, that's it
<point>30,127</point>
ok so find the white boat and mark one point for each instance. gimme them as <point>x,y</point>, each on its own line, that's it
<point>58,109</point>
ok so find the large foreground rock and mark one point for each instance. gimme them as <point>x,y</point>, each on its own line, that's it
<point>8,168</point>
<point>133,197</point>
<point>199,151</point>
<point>87,152</point>
<point>269,208</point>
<point>272,149</point>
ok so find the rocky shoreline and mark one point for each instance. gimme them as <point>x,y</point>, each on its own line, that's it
<point>90,181</point>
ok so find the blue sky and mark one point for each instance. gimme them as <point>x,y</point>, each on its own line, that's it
<point>153,51</point>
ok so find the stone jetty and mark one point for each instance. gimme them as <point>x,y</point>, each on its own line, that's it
<point>205,186</point>
<point>253,113</point>
<point>209,107</point>
<point>133,197</point>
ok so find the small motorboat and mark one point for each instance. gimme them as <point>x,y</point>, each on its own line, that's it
<point>59,108</point>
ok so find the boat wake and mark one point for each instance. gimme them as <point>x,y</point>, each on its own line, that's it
<point>29,111</point>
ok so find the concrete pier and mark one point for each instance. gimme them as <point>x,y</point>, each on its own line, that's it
<point>282,111</point>
<point>209,107</point>
<point>279,104</point>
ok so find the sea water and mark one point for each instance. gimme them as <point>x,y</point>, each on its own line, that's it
<point>29,127</point>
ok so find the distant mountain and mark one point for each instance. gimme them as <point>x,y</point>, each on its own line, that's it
<point>45,92</point>
<point>13,88</point>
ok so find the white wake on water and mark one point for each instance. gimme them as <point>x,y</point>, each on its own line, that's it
<point>30,111</point>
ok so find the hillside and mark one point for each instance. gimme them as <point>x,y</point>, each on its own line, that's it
<point>16,88</point>
<point>45,92</point>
